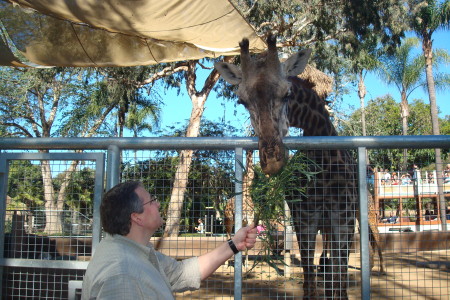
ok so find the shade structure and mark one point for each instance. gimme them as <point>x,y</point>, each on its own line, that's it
<point>92,33</point>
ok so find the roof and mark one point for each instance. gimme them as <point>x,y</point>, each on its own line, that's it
<point>119,33</point>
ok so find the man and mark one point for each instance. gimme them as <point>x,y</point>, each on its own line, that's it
<point>126,266</point>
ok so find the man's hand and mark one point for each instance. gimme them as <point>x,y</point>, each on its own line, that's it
<point>245,238</point>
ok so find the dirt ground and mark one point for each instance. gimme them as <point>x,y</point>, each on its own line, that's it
<point>410,275</point>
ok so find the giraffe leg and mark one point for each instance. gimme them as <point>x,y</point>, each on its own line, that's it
<point>375,238</point>
<point>336,281</point>
<point>375,243</point>
<point>307,248</point>
<point>324,261</point>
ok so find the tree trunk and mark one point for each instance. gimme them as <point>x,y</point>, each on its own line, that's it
<point>182,171</point>
<point>427,47</point>
<point>362,94</point>
<point>52,221</point>
<point>405,114</point>
<point>54,208</point>
<point>63,190</point>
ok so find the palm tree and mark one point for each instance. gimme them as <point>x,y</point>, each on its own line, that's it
<point>123,88</point>
<point>142,115</point>
<point>403,70</point>
<point>427,17</point>
<point>367,59</point>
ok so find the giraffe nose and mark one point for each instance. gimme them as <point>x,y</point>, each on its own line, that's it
<point>272,157</point>
<point>273,167</point>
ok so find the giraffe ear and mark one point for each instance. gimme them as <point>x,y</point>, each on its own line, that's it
<point>231,73</point>
<point>296,64</point>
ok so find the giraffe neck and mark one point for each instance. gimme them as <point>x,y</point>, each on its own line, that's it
<point>307,111</point>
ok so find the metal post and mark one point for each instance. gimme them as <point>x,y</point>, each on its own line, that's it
<point>211,224</point>
<point>364,225</point>
<point>238,221</point>
<point>98,192</point>
<point>112,167</point>
<point>3,192</point>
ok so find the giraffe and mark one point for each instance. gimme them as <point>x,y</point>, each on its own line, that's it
<point>276,99</point>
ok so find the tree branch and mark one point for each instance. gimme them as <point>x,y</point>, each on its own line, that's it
<point>183,66</point>
<point>191,77</point>
<point>213,77</point>
<point>21,128</point>
<point>93,129</point>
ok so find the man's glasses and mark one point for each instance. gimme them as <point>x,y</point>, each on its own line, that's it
<point>152,199</point>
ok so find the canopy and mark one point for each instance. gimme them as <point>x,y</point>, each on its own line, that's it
<point>82,33</point>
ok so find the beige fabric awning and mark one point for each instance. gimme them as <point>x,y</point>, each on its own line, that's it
<point>95,33</point>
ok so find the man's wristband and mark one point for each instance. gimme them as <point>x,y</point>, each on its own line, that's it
<point>233,246</point>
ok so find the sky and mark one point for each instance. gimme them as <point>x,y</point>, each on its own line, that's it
<point>177,108</point>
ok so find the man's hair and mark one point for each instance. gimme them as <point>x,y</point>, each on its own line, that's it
<point>117,206</point>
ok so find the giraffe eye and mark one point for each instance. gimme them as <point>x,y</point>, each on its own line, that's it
<point>287,96</point>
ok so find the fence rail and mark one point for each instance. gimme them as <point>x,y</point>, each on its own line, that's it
<point>226,143</point>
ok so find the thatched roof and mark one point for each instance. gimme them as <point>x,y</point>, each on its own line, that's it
<point>321,83</point>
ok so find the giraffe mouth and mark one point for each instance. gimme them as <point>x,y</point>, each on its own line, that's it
<point>272,156</point>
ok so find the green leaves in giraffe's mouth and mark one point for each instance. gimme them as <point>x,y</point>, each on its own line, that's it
<point>269,192</point>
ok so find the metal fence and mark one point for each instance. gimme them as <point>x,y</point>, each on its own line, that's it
<point>47,248</point>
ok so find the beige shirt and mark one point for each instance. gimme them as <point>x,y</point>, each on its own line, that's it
<point>124,269</point>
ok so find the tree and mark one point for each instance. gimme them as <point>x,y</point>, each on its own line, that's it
<point>172,74</point>
<point>300,23</point>
<point>403,70</point>
<point>198,99</point>
<point>48,103</point>
<point>382,119</point>
<point>445,125</point>
<point>366,61</point>
<point>427,17</point>
<point>207,169</point>
<point>25,189</point>
<point>136,109</point>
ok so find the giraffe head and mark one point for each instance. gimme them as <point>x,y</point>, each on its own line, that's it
<point>265,91</point>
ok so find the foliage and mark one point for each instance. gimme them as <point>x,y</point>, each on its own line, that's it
<point>335,30</point>
<point>445,125</point>
<point>80,196</point>
<point>135,105</point>
<point>25,185</point>
<point>301,22</point>
<point>428,16</point>
<point>210,168</point>
<point>158,172</point>
<point>33,100</point>
<point>383,119</point>
<point>403,69</point>
<point>74,101</point>
<point>269,193</point>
